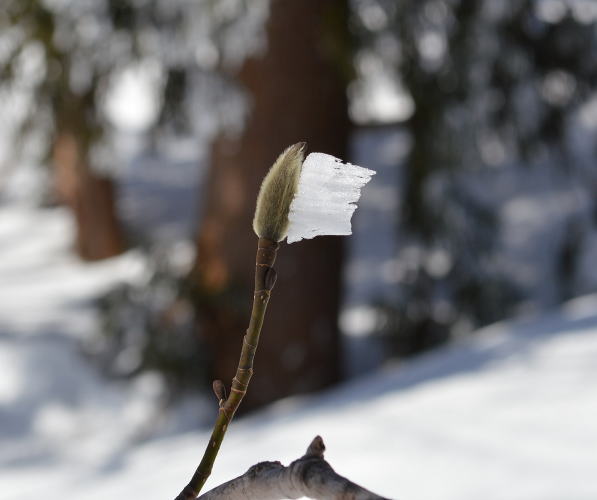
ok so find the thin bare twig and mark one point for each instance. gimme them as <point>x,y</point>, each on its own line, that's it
<point>265,278</point>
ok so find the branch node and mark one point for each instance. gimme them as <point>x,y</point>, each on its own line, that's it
<point>251,346</point>
<point>237,382</point>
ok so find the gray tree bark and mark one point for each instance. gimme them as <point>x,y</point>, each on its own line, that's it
<point>309,476</point>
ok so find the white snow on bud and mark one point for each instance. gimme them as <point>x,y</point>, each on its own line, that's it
<point>326,198</point>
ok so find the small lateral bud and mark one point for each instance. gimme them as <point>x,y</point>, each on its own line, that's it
<point>219,390</point>
<point>276,194</point>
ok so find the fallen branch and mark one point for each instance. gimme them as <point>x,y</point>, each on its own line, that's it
<point>309,476</point>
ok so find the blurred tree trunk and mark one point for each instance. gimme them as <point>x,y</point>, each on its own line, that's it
<point>297,94</point>
<point>89,195</point>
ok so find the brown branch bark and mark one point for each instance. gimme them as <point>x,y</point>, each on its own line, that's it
<point>265,279</point>
<point>309,476</point>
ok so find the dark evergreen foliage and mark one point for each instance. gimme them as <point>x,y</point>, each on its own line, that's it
<point>491,83</point>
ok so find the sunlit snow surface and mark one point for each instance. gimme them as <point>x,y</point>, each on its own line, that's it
<point>509,414</point>
<point>326,197</point>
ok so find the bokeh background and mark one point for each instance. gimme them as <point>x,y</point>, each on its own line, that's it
<point>134,138</point>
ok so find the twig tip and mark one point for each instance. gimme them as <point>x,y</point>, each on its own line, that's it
<point>316,448</point>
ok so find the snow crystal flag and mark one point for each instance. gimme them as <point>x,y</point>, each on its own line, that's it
<point>319,202</point>
<point>326,198</point>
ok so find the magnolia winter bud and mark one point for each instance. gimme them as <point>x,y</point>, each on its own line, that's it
<point>276,194</point>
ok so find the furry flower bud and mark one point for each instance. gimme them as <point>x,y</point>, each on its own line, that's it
<point>276,194</point>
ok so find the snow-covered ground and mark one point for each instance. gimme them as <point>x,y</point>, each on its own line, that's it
<point>508,414</point>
